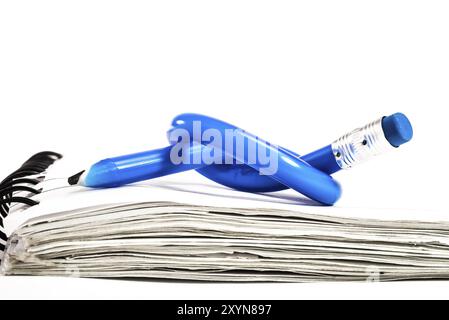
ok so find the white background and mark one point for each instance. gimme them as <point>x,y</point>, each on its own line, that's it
<point>92,79</point>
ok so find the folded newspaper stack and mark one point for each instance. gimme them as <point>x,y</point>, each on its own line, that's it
<point>191,242</point>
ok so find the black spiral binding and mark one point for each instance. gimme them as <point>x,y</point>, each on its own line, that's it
<point>23,179</point>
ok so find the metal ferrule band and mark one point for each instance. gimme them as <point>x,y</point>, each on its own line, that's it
<point>360,145</point>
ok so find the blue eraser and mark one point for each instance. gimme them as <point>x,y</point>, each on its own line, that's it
<point>397,129</point>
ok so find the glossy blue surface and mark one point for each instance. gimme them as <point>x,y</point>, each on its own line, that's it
<point>308,174</point>
<point>117,171</point>
<point>397,129</point>
<point>292,172</point>
<point>245,178</point>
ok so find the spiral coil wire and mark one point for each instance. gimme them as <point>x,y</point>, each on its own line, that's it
<point>23,180</point>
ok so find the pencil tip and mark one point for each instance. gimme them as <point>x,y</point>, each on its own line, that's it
<point>75,178</point>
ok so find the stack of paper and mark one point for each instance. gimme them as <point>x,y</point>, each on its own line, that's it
<point>192,242</point>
